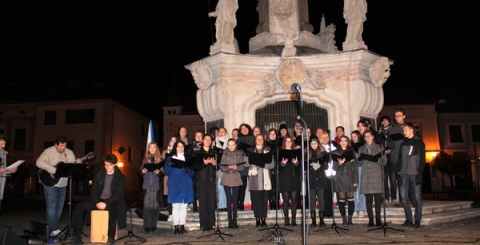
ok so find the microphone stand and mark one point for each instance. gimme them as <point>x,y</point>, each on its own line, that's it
<point>296,89</point>
<point>384,226</point>
<point>217,225</point>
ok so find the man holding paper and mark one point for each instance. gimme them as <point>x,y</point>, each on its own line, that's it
<point>4,171</point>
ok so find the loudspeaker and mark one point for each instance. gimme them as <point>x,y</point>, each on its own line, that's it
<point>8,237</point>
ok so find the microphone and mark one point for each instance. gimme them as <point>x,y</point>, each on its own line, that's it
<point>296,88</point>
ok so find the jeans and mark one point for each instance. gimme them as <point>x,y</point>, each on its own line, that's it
<point>222,198</point>
<point>360,204</point>
<point>54,201</point>
<point>409,183</point>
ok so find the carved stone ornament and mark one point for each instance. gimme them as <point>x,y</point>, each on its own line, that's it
<point>379,71</point>
<point>291,71</point>
<point>202,74</point>
<point>282,8</point>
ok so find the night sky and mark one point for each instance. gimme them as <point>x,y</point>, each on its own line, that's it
<point>134,51</point>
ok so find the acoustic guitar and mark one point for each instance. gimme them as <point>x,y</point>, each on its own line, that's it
<point>49,180</point>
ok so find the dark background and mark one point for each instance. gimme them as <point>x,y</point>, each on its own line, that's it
<point>134,51</point>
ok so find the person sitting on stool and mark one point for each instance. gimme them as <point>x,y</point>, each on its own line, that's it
<point>108,193</point>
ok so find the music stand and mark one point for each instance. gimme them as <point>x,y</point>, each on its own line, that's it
<point>217,226</point>
<point>130,234</point>
<point>384,226</point>
<point>70,171</point>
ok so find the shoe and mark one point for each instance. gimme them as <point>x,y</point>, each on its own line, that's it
<point>170,218</point>
<point>55,233</point>
<point>76,240</point>
<point>110,241</point>
<point>400,204</point>
<point>294,223</point>
<point>147,230</point>
<point>416,224</point>
<point>407,223</point>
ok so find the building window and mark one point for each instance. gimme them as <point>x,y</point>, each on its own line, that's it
<point>475,133</point>
<point>50,118</point>
<point>20,139</point>
<point>80,116</point>
<point>455,133</point>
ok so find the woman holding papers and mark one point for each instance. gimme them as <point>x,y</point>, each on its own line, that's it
<point>289,175</point>
<point>231,165</point>
<point>259,160</point>
<point>346,182</point>
<point>151,186</point>
<point>206,167</point>
<point>318,181</point>
<point>180,185</point>
<point>372,158</point>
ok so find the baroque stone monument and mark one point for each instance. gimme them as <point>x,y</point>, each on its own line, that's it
<point>232,87</point>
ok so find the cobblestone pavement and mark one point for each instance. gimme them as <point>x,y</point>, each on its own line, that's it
<point>18,213</point>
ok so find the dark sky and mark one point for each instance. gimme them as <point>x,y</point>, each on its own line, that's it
<point>133,51</point>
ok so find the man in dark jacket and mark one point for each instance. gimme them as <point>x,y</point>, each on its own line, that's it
<point>108,193</point>
<point>411,162</point>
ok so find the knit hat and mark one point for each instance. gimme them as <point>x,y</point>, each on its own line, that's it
<point>314,140</point>
<point>283,126</point>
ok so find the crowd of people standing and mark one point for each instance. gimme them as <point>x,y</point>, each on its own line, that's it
<point>357,172</point>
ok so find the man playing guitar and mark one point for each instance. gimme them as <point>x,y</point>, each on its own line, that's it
<point>55,195</point>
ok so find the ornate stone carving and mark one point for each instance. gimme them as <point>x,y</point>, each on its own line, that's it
<point>269,82</point>
<point>317,80</point>
<point>291,71</point>
<point>202,74</point>
<point>379,71</point>
<point>282,8</point>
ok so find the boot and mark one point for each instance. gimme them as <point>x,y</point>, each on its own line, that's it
<point>287,221</point>
<point>344,220</point>
<point>263,222</point>
<point>322,221</point>
<point>370,221</point>
<point>294,218</point>
<point>182,229</point>
<point>234,225</point>
<point>349,221</point>
<point>257,223</point>
<point>378,221</point>
<point>314,218</point>
<point>177,229</point>
<point>230,222</point>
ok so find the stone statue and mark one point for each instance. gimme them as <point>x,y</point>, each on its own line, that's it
<point>226,20</point>
<point>290,36</point>
<point>354,13</point>
<point>328,39</point>
<point>263,16</point>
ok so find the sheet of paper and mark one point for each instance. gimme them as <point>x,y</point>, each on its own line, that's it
<point>15,164</point>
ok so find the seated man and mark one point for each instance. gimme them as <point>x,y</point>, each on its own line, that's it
<point>108,193</point>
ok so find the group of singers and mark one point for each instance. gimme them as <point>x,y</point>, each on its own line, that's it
<point>215,165</point>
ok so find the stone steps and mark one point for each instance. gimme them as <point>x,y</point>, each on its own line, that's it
<point>434,212</point>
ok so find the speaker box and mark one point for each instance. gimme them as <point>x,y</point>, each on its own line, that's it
<point>8,237</point>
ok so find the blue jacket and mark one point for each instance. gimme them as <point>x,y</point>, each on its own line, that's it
<point>180,183</point>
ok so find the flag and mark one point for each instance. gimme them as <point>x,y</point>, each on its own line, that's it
<point>150,137</point>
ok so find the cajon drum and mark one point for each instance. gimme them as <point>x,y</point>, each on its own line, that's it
<point>99,226</point>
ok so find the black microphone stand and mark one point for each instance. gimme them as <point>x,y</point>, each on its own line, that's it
<point>334,224</point>
<point>277,227</point>
<point>217,225</point>
<point>296,88</point>
<point>384,226</point>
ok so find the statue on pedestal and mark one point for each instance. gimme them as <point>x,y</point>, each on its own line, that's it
<point>225,23</point>
<point>354,13</point>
